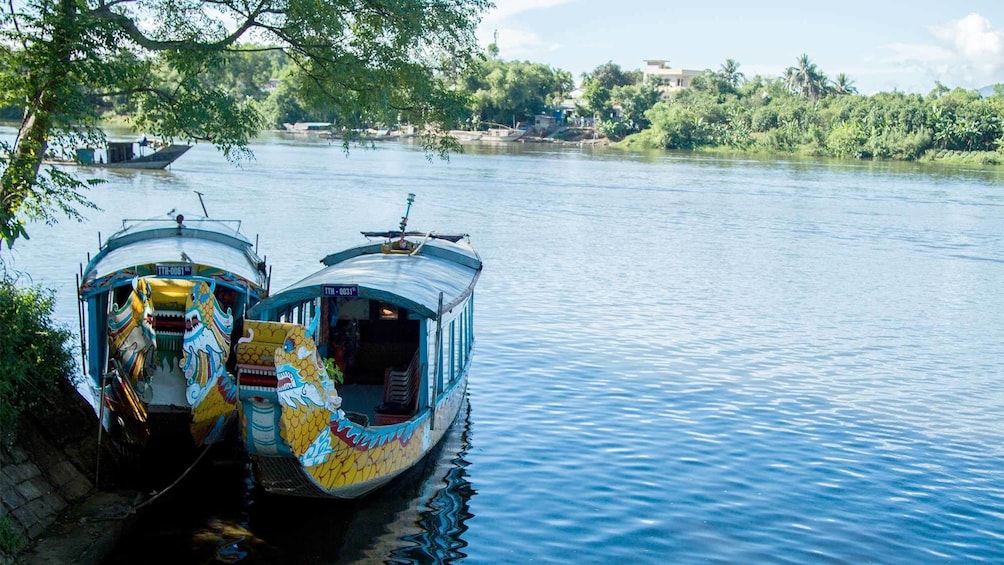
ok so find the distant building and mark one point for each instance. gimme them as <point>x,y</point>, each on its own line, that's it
<point>543,124</point>
<point>272,84</point>
<point>668,79</point>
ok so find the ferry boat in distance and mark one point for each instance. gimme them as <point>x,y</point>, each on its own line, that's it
<point>142,154</point>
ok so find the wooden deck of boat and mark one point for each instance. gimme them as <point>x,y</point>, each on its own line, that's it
<point>361,399</point>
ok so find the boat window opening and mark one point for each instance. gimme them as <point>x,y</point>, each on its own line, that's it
<point>453,349</point>
<point>446,375</point>
<point>291,315</point>
<point>461,349</point>
<point>464,348</point>
<point>121,294</point>
<point>365,344</point>
<point>312,309</point>
<point>469,326</point>
<point>227,298</point>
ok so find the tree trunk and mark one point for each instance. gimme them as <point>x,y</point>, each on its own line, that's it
<point>19,181</point>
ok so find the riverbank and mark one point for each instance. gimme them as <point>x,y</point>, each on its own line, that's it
<point>54,507</point>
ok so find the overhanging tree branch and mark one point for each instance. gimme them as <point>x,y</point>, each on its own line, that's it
<point>129,26</point>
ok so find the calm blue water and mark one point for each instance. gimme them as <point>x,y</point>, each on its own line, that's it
<point>679,359</point>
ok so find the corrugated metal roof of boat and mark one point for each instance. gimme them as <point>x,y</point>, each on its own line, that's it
<point>411,281</point>
<point>225,231</point>
<point>202,241</point>
<point>242,263</point>
<point>448,247</point>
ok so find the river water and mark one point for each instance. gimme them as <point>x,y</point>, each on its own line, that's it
<point>679,359</point>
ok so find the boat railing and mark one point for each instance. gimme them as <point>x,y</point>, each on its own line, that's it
<point>130,222</point>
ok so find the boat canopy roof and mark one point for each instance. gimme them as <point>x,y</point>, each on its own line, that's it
<point>207,245</point>
<point>410,280</point>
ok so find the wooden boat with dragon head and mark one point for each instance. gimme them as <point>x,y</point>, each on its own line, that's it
<point>351,376</point>
<point>157,308</point>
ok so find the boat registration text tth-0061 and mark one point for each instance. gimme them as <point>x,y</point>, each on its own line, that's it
<point>174,270</point>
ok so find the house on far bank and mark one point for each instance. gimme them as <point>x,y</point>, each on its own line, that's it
<point>668,79</point>
<point>544,124</point>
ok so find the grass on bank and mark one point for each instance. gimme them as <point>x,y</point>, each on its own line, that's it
<point>10,539</point>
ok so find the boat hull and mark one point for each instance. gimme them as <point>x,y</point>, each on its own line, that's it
<point>157,160</point>
<point>300,440</point>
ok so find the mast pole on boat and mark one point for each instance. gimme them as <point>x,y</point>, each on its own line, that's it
<point>80,322</point>
<point>204,212</point>
<point>433,388</point>
<point>404,219</point>
<point>104,381</point>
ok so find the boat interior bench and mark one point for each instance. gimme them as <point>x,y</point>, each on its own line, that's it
<point>400,394</point>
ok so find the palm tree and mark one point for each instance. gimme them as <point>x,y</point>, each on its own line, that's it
<point>844,85</point>
<point>806,79</point>
<point>730,72</point>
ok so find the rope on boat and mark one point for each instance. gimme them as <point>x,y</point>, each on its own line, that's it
<point>418,248</point>
<point>157,495</point>
<point>98,465</point>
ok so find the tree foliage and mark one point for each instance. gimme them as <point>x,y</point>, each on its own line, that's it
<point>631,102</point>
<point>598,86</point>
<point>508,92</point>
<point>806,79</point>
<point>34,352</point>
<point>64,60</point>
<point>802,113</point>
<point>730,73</point>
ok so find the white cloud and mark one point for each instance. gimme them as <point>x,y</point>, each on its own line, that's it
<point>520,44</point>
<point>515,41</point>
<point>973,38</point>
<point>505,9</point>
<point>919,54</point>
<point>968,52</point>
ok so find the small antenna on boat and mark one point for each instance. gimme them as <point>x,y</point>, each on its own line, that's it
<point>404,219</point>
<point>206,214</point>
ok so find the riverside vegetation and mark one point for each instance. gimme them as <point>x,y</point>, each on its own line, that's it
<point>36,358</point>
<point>802,112</point>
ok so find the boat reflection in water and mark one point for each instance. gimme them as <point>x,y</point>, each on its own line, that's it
<point>427,516</point>
<point>419,518</point>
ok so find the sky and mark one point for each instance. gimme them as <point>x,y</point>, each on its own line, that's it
<point>881,45</point>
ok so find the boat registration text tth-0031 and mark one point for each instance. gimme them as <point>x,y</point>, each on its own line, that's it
<point>341,290</point>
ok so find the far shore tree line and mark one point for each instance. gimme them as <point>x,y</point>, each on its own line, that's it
<point>802,112</point>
